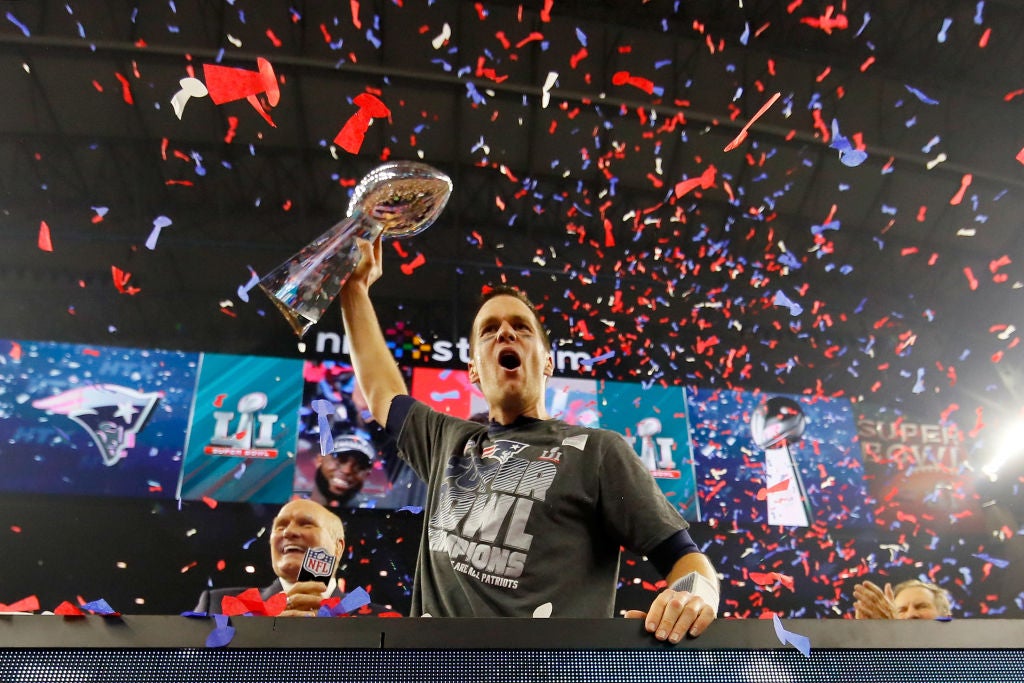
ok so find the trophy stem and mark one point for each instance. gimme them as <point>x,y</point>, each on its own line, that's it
<point>299,323</point>
<point>305,285</point>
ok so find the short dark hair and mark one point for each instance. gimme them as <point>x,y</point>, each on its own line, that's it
<point>492,291</point>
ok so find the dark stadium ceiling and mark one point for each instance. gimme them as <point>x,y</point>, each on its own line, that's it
<point>790,263</point>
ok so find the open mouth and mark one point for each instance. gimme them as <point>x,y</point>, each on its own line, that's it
<point>292,548</point>
<point>509,360</point>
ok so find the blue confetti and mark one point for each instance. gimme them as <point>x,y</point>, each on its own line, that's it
<point>222,632</point>
<point>920,95</point>
<point>24,29</point>
<point>801,643</point>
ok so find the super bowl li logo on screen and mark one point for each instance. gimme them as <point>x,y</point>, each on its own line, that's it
<point>245,432</point>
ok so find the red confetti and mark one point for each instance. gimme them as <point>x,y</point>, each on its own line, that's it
<point>121,279</point>
<point>971,280</point>
<point>487,72</point>
<point>705,181</point>
<point>743,131</point>
<point>827,22</point>
<point>227,84</point>
<point>354,7</point>
<point>545,12</point>
<point>250,602</point>
<point>210,502</point>
<point>964,183</point>
<point>819,125</point>
<point>29,604</point>
<point>66,609</point>
<point>624,78</point>
<point>768,578</point>
<point>533,37</point>
<point>998,263</point>
<point>126,90</point>
<point>609,234</point>
<point>351,136</point>
<point>418,260</point>
<point>44,237</point>
<point>232,129</point>
<point>762,494</point>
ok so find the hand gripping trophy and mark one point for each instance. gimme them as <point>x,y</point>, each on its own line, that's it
<point>397,199</point>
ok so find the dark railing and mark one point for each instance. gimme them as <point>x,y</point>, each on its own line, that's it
<point>150,648</point>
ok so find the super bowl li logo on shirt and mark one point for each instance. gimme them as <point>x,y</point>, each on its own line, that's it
<point>245,432</point>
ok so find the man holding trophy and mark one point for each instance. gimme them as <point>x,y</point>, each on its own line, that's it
<point>525,515</point>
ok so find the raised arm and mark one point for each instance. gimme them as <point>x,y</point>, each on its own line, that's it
<point>376,370</point>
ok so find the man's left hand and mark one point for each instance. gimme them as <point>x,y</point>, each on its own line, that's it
<point>674,614</point>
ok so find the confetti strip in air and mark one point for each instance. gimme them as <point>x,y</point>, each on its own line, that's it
<point>743,131</point>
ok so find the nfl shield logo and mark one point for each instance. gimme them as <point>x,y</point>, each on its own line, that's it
<point>317,565</point>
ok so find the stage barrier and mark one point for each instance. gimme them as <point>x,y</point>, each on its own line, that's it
<point>36,648</point>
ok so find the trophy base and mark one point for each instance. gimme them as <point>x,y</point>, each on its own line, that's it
<point>300,324</point>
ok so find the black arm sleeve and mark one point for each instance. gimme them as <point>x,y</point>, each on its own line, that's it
<point>400,406</point>
<point>664,556</point>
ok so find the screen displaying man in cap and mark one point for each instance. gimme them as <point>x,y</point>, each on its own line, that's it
<point>341,474</point>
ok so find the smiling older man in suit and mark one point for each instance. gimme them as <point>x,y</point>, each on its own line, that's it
<point>299,525</point>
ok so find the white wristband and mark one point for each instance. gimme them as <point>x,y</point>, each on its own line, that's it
<point>697,584</point>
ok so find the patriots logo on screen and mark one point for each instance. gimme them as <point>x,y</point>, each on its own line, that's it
<point>110,413</point>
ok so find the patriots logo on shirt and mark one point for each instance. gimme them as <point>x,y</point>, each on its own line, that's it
<point>502,449</point>
<point>111,414</point>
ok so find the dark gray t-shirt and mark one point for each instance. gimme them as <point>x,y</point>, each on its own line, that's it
<point>527,520</point>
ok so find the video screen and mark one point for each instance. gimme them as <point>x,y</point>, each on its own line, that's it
<point>93,420</point>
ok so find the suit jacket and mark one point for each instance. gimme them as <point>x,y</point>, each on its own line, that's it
<point>210,600</point>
